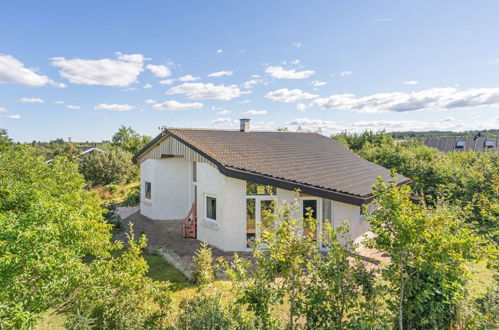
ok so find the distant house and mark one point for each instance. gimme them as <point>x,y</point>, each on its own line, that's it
<point>85,150</point>
<point>225,179</point>
<point>477,143</point>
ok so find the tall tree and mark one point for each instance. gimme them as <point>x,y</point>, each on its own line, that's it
<point>128,139</point>
<point>5,140</point>
<point>428,249</point>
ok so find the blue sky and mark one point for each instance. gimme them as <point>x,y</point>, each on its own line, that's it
<point>82,69</point>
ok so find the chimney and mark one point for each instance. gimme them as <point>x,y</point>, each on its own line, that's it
<point>245,125</point>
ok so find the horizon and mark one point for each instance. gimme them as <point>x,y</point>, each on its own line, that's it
<point>81,70</point>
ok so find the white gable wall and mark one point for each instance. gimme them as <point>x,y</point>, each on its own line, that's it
<point>170,179</point>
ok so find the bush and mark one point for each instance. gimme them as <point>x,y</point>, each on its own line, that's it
<point>133,198</point>
<point>207,311</point>
<point>204,272</point>
<point>112,167</point>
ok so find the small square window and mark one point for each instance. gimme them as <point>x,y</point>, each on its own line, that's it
<point>489,143</point>
<point>147,190</point>
<point>211,208</point>
<point>459,144</point>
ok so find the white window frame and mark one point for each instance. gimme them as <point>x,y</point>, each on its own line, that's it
<point>145,190</point>
<point>206,207</point>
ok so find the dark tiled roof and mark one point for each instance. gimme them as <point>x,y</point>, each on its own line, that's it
<point>312,162</point>
<point>447,144</point>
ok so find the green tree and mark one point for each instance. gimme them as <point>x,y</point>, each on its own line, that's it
<point>428,248</point>
<point>128,139</point>
<point>54,242</point>
<point>5,140</point>
<point>204,272</point>
<point>111,167</point>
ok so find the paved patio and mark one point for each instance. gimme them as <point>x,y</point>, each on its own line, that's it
<point>165,237</point>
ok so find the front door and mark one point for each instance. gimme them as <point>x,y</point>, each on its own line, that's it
<point>256,221</point>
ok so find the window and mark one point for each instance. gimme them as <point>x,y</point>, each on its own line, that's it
<point>250,220</point>
<point>460,144</point>
<point>211,208</point>
<point>489,143</point>
<point>147,190</point>
<point>259,189</point>
<point>309,211</point>
<point>194,172</point>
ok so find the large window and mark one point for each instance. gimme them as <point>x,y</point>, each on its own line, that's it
<point>259,189</point>
<point>147,190</point>
<point>211,208</point>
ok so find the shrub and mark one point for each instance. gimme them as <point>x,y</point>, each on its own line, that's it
<point>207,311</point>
<point>112,167</point>
<point>133,198</point>
<point>204,272</point>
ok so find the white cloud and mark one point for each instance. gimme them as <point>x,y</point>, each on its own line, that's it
<point>250,83</point>
<point>221,73</point>
<point>198,91</point>
<point>383,20</point>
<point>114,107</point>
<point>295,62</point>
<point>11,116</point>
<point>150,101</point>
<point>188,77</point>
<point>160,71</point>
<point>175,105</point>
<point>12,71</point>
<point>166,81</point>
<point>31,100</point>
<point>280,73</point>
<point>244,101</point>
<point>410,82</point>
<point>223,112</point>
<point>301,107</point>
<point>222,121</point>
<point>147,86</point>
<point>448,119</point>
<point>345,73</point>
<point>120,72</point>
<point>318,83</point>
<point>285,95</point>
<point>296,44</point>
<point>3,109</point>
<point>59,102</point>
<point>332,127</point>
<point>73,107</point>
<point>219,51</point>
<point>434,98</point>
<point>255,112</point>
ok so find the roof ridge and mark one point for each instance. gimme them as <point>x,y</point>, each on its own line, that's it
<point>235,130</point>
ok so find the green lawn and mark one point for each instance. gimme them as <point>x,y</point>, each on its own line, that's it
<point>162,270</point>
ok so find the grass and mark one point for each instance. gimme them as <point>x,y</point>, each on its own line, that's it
<point>162,270</point>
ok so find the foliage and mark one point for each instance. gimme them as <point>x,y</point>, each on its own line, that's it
<point>204,272</point>
<point>466,179</point>
<point>162,270</point>
<point>428,248</point>
<point>206,310</point>
<point>115,294</point>
<point>5,140</point>
<point>341,292</point>
<point>319,291</point>
<point>55,249</point>
<point>133,197</point>
<point>128,139</point>
<point>112,167</point>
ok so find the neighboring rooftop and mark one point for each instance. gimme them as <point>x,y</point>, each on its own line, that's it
<point>477,143</point>
<point>314,163</point>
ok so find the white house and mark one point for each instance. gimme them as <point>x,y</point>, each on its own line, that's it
<point>224,175</point>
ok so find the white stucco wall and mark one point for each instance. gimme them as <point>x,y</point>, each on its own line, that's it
<point>170,182</point>
<point>229,231</point>
<point>351,213</point>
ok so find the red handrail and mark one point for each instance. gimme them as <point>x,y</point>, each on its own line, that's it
<point>189,227</point>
